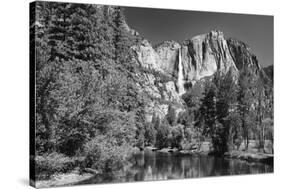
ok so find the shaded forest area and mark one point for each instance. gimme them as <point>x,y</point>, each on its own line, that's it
<point>90,114</point>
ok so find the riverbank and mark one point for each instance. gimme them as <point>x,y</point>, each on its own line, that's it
<point>203,149</point>
<point>153,162</point>
<point>251,156</point>
<point>63,179</point>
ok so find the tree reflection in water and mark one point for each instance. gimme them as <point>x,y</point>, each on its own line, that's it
<point>148,166</point>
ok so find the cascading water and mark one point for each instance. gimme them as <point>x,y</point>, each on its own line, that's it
<point>180,76</point>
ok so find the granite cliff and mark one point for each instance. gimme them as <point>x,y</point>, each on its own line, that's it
<point>169,67</point>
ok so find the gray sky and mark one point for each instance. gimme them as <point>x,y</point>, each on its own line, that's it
<point>158,25</point>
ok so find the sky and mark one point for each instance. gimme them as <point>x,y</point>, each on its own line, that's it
<point>158,25</point>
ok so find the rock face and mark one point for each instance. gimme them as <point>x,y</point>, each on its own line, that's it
<point>147,57</point>
<point>169,67</point>
<point>269,72</point>
<point>241,54</point>
<point>168,53</point>
<point>205,54</point>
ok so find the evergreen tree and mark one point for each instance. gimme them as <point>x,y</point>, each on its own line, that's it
<point>171,115</point>
<point>214,113</point>
<point>245,102</point>
<point>263,110</point>
<point>208,111</point>
<point>226,98</point>
<point>121,38</point>
<point>162,139</point>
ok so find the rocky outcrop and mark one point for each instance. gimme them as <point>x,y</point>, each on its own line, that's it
<point>170,92</point>
<point>241,54</point>
<point>160,94</point>
<point>168,53</point>
<point>146,56</point>
<point>269,72</point>
<point>155,108</point>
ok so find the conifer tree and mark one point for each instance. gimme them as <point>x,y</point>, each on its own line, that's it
<point>245,101</point>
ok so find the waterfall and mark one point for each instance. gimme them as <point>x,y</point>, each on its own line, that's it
<point>180,76</point>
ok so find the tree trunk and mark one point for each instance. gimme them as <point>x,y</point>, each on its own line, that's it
<point>263,138</point>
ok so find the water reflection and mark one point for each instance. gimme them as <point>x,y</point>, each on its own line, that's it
<point>148,165</point>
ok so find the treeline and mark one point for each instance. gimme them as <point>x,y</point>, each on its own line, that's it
<point>87,103</point>
<point>231,110</point>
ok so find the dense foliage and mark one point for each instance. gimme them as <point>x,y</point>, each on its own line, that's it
<point>86,100</point>
<point>233,110</point>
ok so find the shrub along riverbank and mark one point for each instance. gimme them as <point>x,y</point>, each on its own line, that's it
<point>69,171</point>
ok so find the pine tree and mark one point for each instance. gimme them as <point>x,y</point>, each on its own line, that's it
<point>226,98</point>
<point>214,112</point>
<point>245,102</point>
<point>171,115</point>
<point>208,110</point>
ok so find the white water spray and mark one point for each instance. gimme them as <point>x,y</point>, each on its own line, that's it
<point>180,76</point>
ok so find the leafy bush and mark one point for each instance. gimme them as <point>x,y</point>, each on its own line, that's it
<point>102,154</point>
<point>176,136</point>
<point>171,115</point>
<point>71,136</point>
<point>121,127</point>
<point>150,134</point>
<point>49,164</point>
<point>140,139</point>
<point>235,131</point>
<point>112,145</point>
<point>162,135</point>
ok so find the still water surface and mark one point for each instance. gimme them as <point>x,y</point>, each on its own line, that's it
<point>148,166</point>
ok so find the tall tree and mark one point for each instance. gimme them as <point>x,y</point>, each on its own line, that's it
<point>207,114</point>
<point>226,98</point>
<point>245,100</point>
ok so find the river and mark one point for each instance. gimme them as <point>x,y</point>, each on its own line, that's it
<point>148,166</point>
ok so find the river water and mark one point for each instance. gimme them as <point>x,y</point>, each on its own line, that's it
<point>148,166</point>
